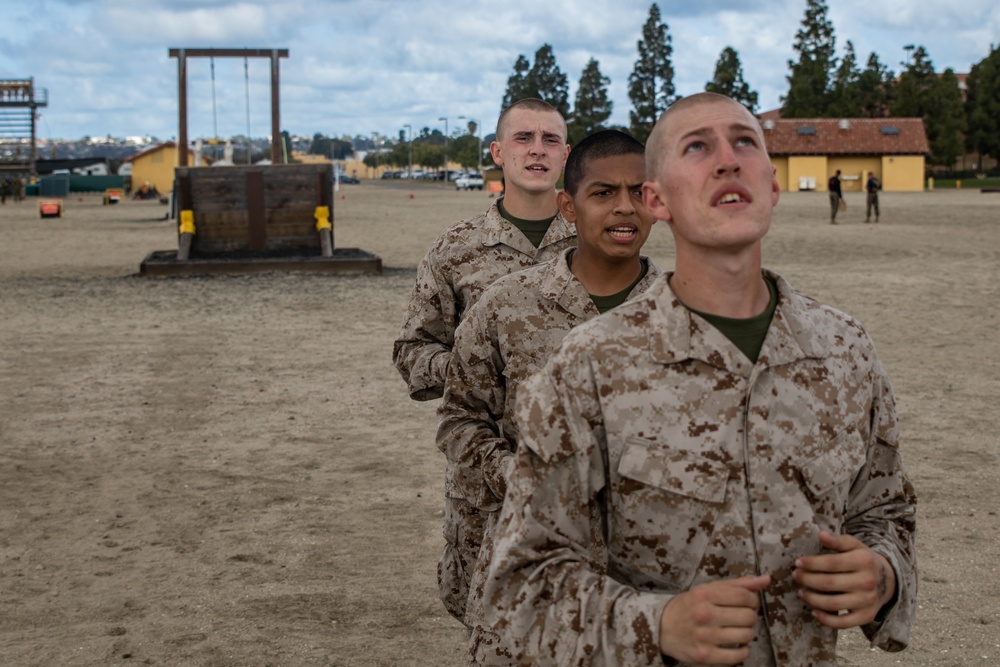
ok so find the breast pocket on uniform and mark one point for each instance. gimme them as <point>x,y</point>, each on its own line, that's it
<point>663,510</point>
<point>828,476</point>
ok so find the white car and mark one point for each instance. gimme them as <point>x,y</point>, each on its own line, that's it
<point>472,181</point>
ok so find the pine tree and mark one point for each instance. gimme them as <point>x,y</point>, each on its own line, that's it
<point>517,83</point>
<point>876,88</point>
<point>651,84</point>
<point>592,106</point>
<point>937,99</point>
<point>845,98</point>
<point>809,81</point>
<point>728,80</point>
<point>947,119</point>
<point>913,91</point>
<point>547,82</point>
<point>543,80</point>
<point>982,106</point>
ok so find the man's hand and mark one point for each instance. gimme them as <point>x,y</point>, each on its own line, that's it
<point>712,624</point>
<point>855,580</point>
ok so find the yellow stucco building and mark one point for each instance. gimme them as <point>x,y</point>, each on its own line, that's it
<point>155,166</point>
<point>807,151</point>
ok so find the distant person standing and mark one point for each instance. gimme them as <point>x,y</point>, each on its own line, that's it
<point>836,196</point>
<point>872,187</point>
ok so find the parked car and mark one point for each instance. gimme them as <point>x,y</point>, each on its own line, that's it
<point>344,178</point>
<point>470,181</point>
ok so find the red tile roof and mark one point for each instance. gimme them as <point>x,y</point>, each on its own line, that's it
<point>848,136</point>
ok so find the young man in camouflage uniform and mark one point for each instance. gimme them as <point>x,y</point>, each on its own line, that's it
<point>521,229</point>
<point>520,319</point>
<point>735,441</point>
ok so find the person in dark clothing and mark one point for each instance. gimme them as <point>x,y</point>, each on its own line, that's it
<point>872,187</point>
<point>836,196</point>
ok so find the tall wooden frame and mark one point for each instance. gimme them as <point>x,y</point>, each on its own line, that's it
<point>183,54</point>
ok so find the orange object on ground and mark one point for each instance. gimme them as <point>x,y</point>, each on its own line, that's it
<point>50,208</point>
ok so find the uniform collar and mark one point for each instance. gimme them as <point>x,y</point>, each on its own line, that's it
<point>677,334</point>
<point>558,284</point>
<point>497,230</point>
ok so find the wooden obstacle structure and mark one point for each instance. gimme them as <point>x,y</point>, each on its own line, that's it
<point>247,219</point>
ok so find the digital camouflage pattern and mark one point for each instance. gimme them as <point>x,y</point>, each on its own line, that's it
<point>698,466</point>
<point>464,260</point>
<point>507,336</point>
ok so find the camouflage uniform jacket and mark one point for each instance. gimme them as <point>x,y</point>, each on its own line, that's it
<point>697,465</point>
<point>464,261</point>
<point>506,337</point>
<point>515,326</point>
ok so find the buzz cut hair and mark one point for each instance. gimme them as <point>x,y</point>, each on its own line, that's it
<point>600,144</point>
<point>528,104</point>
<point>654,156</point>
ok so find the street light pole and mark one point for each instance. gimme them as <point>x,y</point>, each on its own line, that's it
<point>446,179</point>
<point>409,146</point>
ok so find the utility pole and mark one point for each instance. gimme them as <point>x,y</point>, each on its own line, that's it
<point>445,148</point>
<point>409,146</point>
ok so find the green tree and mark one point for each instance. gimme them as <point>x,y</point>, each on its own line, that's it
<point>728,80</point>
<point>914,90</point>
<point>982,106</point>
<point>845,99</point>
<point>876,89</point>
<point>809,80</point>
<point>543,80</point>
<point>547,82</point>
<point>321,145</point>
<point>517,83</point>
<point>947,121</point>
<point>593,107</point>
<point>427,154</point>
<point>342,149</point>
<point>399,157</point>
<point>938,100</point>
<point>338,149</point>
<point>463,150</point>
<point>651,83</point>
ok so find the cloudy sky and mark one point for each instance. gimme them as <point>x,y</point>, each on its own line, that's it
<point>364,66</point>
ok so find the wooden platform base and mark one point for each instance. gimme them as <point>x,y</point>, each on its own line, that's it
<point>344,260</point>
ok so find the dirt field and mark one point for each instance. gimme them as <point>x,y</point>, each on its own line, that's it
<point>227,470</point>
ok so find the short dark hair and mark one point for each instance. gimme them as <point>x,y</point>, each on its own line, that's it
<point>603,143</point>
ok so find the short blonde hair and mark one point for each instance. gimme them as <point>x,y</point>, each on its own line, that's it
<point>654,152</point>
<point>528,104</point>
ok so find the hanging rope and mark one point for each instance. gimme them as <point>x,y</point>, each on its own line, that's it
<point>246,80</point>
<point>215,121</point>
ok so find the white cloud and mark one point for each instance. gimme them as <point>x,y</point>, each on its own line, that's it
<point>358,66</point>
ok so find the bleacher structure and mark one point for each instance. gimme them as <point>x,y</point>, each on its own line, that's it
<point>19,104</point>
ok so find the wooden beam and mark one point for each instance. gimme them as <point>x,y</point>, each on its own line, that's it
<point>229,53</point>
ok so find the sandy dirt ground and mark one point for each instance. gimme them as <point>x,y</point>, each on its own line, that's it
<point>227,470</point>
